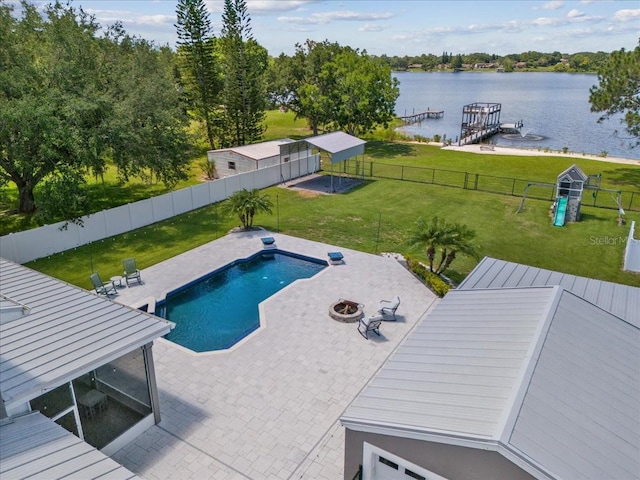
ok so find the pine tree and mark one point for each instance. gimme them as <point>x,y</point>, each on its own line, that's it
<point>196,44</point>
<point>245,65</point>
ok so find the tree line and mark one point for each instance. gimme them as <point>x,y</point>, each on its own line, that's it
<point>530,60</point>
<point>74,101</point>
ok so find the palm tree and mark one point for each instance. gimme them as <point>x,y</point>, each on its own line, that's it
<point>450,238</point>
<point>247,203</point>
<point>433,234</point>
<point>460,240</point>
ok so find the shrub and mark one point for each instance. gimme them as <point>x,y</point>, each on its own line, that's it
<point>431,280</point>
<point>208,169</point>
<point>437,138</point>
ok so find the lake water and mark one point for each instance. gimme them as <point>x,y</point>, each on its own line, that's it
<point>554,108</point>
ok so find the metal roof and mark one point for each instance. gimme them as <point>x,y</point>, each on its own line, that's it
<point>339,144</point>
<point>621,300</point>
<point>68,332</point>
<point>535,373</point>
<point>33,446</point>
<point>580,417</point>
<point>459,369</point>
<point>257,151</point>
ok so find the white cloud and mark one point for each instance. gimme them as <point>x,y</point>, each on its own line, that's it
<point>329,17</point>
<point>301,20</point>
<point>553,5</point>
<point>261,7</point>
<point>155,20</point>
<point>371,27</point>
<point>108,16</point>
<point>351,15</point>
<point>575,13</point>
<point>626,15</point>
<point>546,21</point>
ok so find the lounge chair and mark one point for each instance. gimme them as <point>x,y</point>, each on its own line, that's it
<point>130,270</point>
<point>389,307</point>
<point>268,242</point>
<point>101,288</point>
<point>371,324</point>
<point>335,258</point>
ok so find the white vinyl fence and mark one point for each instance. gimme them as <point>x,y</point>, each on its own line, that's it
<point>632,252</point>
<point>22,247</point>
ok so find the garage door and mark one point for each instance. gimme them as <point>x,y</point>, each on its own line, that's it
<point>381,465</point>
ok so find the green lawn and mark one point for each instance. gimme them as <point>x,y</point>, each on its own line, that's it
<point>592,247</point>
<point>380,215</point>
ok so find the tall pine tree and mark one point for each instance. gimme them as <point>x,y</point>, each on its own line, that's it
<point>196,43</point>
<point>245,66</point>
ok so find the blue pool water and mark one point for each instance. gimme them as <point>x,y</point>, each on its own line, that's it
<point>221,308</point>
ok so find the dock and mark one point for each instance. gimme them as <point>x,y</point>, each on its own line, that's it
<point>418,117</point>
<point>481,121</point>
<point>511,127</point>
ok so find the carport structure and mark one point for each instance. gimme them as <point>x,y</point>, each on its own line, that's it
<point>339,146</point>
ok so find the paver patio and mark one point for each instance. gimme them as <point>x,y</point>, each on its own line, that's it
<point>269,407</point>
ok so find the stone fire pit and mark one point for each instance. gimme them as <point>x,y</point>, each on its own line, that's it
<point>346,311</point>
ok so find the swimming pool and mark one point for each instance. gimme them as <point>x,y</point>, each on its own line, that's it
<point>220,309</point>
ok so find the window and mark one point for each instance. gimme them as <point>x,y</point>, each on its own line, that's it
<point>388,463</point>
<point>232,165</point>
<point>378,464</point>
<point>108,400</point>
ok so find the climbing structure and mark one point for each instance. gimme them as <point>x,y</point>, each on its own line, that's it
<point>569,188</point>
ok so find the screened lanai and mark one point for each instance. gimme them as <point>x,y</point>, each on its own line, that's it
<point>339,147</point>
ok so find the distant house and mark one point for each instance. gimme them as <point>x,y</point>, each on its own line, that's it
<point>520,64</point>
<point>246,158</point>
<point>480,66</point>
<point>84,362</point>
<point>520,373</point>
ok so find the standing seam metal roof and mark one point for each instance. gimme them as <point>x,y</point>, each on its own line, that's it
<point>580,416</point>
<point>621,300</point>
<point>257,151</point>
<point>538,372</point>
<point>459,368</point>
<point>33,446</point>
<point>335,142</point>
<point>68,332</point>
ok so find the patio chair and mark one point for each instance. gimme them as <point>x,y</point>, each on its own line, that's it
<point>130,270</point>
<point>371,324</point>
<point>335,258</point>
<point>101,288</point>
<point>389,307</point>
<point>268,242</point>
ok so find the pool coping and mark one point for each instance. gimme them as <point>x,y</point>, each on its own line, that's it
<point>270,406</point>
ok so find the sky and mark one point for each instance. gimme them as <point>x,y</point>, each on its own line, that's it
<point>402,27</point>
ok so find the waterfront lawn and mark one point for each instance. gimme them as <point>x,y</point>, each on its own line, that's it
<point>108,192</point>
<point>541,168</point>
<point>375,217</point>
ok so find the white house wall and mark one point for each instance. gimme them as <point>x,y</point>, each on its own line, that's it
<point>222,159</point>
